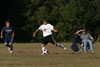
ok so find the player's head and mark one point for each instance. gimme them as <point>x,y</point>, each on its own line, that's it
<point>84,31</point>
<point>7,23</point>
<point>45,21</point>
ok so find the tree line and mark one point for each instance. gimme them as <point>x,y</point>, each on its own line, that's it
<point>67,16</point>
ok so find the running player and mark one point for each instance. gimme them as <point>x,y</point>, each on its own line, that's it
<point>8,32</point>
<point>47,35</point>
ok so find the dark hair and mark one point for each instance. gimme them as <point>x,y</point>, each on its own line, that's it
<point>7,21</point>
<point>84,30</point>
<point>45,20</point>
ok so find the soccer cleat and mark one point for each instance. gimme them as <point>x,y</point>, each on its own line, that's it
<point>65,48</point>
<point>11,51</point>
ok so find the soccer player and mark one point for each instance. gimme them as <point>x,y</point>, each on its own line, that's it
<point>47,35</point>
<point>8,32</point>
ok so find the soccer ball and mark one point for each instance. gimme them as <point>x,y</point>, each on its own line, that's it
<point>46,52</point>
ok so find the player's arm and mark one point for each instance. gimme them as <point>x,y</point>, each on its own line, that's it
<point>34,34</point>
<point>1,35</point>
<point>2,32</point>
<point>54,30</point>
<point>13,34</point>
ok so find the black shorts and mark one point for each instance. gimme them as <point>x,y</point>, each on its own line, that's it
<point>49,39</point>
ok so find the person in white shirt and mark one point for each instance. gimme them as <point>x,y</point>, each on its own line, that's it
<point>47,29</point>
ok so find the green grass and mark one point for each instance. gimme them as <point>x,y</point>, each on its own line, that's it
<point>28,55</point>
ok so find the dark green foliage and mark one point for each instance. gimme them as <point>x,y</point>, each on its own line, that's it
<point>66,15</point>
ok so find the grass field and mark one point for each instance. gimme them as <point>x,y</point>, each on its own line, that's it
<point>28,55</point>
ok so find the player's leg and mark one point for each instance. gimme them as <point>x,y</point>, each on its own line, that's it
<point>56,44</point>
<point>6,43</point>
<point>61,46</point>
<point>44,43</point>
<point>11,46</point>
<point>43,47</point>
<point>7,46</point>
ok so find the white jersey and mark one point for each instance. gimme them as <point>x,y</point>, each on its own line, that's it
<point>47,29</point>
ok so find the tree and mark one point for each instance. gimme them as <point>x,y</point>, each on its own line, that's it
<point>66,15</point>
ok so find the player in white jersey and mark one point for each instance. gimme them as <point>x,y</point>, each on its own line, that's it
<point>47,29</point>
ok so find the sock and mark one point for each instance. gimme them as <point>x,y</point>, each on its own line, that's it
<point>60,45</point>
<point>11,48</point>
<point>43,49</point>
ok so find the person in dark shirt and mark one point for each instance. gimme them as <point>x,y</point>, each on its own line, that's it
<point>8,36</point>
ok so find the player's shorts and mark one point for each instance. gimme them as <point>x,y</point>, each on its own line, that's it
<point>48,39</point>
<point>8,41</point>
